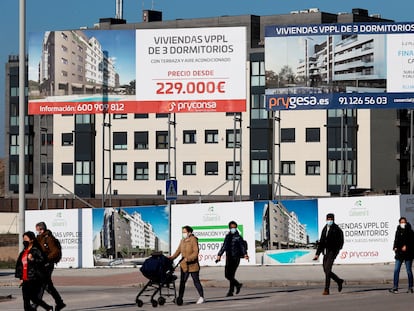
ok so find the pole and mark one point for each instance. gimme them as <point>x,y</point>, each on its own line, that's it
<point>22,115</point>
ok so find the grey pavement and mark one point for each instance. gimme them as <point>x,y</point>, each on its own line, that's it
<point>213,276</point>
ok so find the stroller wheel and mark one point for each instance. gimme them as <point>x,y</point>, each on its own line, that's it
<point>179,301</point>
<point>139,302</point>
<point>161,301</point>
<point>154,303</point>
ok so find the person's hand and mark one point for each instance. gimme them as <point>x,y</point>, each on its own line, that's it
<point>218,259</point>
<point>404,248</point>
<point>246,257</point>
<point>30,257</point>
<point>316,257</point>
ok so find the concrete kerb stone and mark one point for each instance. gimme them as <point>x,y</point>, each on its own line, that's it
<point>213,276</point>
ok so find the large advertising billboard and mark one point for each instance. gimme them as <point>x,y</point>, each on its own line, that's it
<point>340,66</point>
<point>137,71</point>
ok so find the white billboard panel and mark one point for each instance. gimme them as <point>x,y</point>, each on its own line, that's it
<point>73,228</point>
<point>210,224</point>
<point>368,223</point>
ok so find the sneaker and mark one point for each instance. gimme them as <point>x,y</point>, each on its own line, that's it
<point>410,290</point>
<point>200,300</point>
<point>238,288</point>
<point>393,290</point>
<point>229,294</point>
<point>325,292</point>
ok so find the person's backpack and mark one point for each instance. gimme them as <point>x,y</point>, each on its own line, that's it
<point>58,251</point>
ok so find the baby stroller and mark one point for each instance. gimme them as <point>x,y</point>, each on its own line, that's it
<point>160,272</point>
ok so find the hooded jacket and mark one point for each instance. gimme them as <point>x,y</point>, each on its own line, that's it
<point>404,237</point>
<point>35,267</point>
<point>233,246</point>
<point>48,245</point>
<point>188,249</point>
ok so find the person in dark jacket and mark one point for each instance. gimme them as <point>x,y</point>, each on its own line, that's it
<point>330,243</point>
<point>49,247</point>
<point>404,252</point>
<point>234,247</point>
<point>30,270</point>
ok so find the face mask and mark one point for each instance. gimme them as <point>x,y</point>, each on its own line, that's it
<point>402,226</point>
<point>26,244</point>
<point>185,235</point>
<point>233,230</point>
<point>329,222</point>
<point>38,233</point>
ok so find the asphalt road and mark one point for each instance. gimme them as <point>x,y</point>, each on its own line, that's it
<point>362,297</point>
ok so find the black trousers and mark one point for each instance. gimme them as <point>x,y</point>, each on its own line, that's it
<point>232,263</point>
<point>196,280</point>
<point>31,291</point>
<point>328,261</point>
<point>49,287</point>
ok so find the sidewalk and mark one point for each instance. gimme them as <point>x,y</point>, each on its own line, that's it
<point>250,276</point>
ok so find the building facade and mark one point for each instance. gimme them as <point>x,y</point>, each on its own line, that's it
<point>253,155</point>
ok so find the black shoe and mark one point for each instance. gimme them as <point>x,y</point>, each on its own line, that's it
<point>60,306</point>
<point>229,294</point>
<point>393,290</point>
<point>340,283</point>
<point>179,301</point>
<point>238,287</point>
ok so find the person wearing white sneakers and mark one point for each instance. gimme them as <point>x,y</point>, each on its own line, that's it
<point>189,264</point>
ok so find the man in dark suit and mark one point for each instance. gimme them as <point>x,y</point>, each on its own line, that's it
<point>330,243</point>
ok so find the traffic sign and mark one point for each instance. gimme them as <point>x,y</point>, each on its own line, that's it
<point>171,189</point>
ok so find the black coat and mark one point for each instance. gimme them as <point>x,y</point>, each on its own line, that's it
<point>404,237</point>
<point>233,246</point>
<point>36,268</point>
<point>332,242</point>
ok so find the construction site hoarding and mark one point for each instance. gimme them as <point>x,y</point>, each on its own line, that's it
<point>137,71</point>
<point>340,66</point>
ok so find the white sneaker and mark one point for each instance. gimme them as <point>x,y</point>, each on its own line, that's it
<point>200,300</point>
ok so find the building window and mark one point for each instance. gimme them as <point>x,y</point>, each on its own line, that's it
<point>211,137</point>
<point>140,140</point>
<point>336,172</point>
<point>14,144</point>
<point>211,168</point>
<point>161,170</point>
<point>141,171</point>
<point>258,107</point>
<point>313,168</point>
<point>313,134</point>
<point>47,139</point>
<point>84,118</point>
<point>288,167</point>
<point>120,116</point>
<point>120,171</point>
<point>189,137</point>
<point>230,138</point>
<point>260,172</point>
<point>67,169</point>
<point>84,172</point>
<point>257,74</point>
<point>230,173</point>
<point>47,168</point>
<point>141,116</point>
<point>161,140</point>
<point>120,140</point>
<point>67,139</point>
<point>287,135</point>
<point>189,168</point>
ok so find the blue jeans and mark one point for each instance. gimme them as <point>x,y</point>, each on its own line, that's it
<point>408,267</point>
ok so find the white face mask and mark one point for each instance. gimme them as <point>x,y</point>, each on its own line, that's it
<point>233,230</point>
<point>329,222</point>
<point>185,235</point>
<point>402,225</point>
